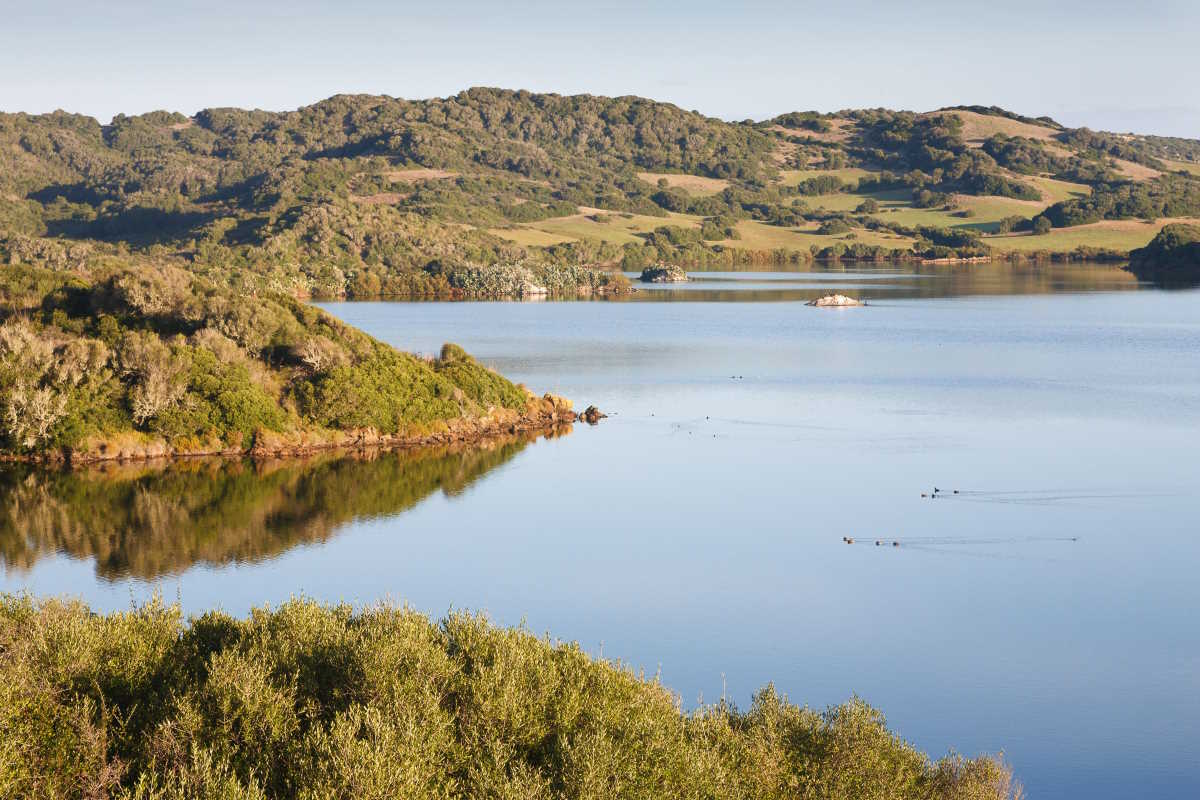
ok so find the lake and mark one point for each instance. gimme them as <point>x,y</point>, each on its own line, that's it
<point>1042,604</point>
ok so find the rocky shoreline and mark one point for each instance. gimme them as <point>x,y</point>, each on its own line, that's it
<point>548,412</point>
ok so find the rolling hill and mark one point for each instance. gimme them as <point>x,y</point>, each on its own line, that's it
<point>369,196</point>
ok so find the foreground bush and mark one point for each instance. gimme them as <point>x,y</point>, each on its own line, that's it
<point>309,701</point>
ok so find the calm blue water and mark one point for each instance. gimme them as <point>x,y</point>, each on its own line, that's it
<point>1048,610</point>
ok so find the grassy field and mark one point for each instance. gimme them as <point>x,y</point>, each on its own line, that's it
<point>1186,166</point>
<point>1115,234</point>
<point>619,229</point>
<point>593,223</point>
<point>986,213</point>
<point>977,127</point>
<point>794,177</point>
<point>1136,172</point>
<point>1055,191</point>
<point>840,132</point>
<point>418,174</point>
<point>695,185</point>
<point>895,206</point>
<point>531,237</point>
<point>759,236</point>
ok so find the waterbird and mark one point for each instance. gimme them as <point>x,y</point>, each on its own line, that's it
<point>895,544</point>
<point>849,540</point>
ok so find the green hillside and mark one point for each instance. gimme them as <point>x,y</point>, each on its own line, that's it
<point>137,360</point>
<point>368,196</point>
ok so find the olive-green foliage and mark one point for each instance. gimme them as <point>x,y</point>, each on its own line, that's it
<point>1174,251</point>
<point>479,383</point>
<point>307,701</point>
<point>391,392</point>
<point>372,196</point>
<point>161,352</point>
<point>1168,196</point>
<point>833,227</point>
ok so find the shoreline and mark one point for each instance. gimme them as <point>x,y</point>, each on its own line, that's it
<point>546,413</point>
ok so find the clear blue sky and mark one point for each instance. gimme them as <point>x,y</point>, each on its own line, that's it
<point>1111,65</point>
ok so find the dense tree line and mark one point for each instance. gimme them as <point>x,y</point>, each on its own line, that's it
<point>1169,196</point>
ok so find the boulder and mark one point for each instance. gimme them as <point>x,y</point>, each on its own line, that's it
<point>663,274</point>
<point>835,301</point>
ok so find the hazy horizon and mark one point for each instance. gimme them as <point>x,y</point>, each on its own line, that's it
<point>1101,64</point>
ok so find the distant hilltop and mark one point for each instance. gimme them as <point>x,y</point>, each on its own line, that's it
<point>370,196</point>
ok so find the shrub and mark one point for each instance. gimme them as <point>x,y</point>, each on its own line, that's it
<point>833,227</point>
<point>186,362</point>
<point>313,701</point>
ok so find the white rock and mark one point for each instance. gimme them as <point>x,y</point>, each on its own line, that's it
<point>834,301</point>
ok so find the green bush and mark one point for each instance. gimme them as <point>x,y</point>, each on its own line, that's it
<point>833,227</point>
<point>1175,251</point>
<point>387,391</point>
<point>484,386</point>
<point>308,701</point>
<point>165,353</point>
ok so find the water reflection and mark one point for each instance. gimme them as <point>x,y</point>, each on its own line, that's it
<point>149,520</point>
<point>892,282</point>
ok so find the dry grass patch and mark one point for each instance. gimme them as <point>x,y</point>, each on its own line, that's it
<point>1121,234</point>
<point>695,185</point>
<point>794,177</point>
<point>610,226</point>
<point>978,127</point>
<point>760,236</point>
<point>1136,172</point>
<point>841,130</point>
<point>531,237</point>
<point>1186,166</point>
<point>421,174</point>
<point>1056,191</point>
<point>379,199</point>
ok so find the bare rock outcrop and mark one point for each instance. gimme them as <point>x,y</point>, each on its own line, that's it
<point>663,274</point>
<point>835,301</point>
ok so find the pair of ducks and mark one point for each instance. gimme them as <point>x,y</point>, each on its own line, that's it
<point>878,542</point>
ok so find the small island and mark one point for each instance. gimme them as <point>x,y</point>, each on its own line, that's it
<point>835,301</point>
<point>662,273</point>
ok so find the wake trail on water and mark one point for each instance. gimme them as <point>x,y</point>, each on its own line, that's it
<point>1036,497</point>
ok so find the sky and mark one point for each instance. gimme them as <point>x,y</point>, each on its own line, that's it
<point>1109,65</point>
